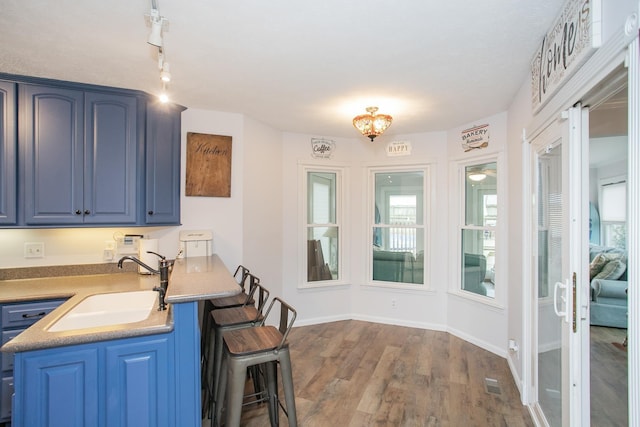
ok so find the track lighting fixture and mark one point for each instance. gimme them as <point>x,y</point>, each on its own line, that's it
<point>157,23</point>
<point>165,75</point>
<point>155,38</point>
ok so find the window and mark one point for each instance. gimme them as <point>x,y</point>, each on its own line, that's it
<point>613,213</point>
<point>478,231</point>
<point>398,213</point>
<point>322,225</point>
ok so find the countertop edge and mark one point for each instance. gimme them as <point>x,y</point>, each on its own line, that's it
<point>84,337</point>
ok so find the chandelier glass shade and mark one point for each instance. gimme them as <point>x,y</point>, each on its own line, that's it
<point>372,124</point>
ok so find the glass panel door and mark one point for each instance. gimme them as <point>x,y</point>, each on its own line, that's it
<point>550,234</point>
<point>561,242</point>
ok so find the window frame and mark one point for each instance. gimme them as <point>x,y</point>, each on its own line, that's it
<point>458,180</point>
<point>425,225</point>
<point>340,215</point>
<point>604,223</point>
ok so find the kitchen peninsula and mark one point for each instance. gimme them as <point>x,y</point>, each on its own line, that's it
<point>141,373</point>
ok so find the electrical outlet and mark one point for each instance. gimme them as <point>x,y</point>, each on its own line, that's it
<point>394,303</point>
<point>109,251</point>
<point>108,254</point>
<point>34,250</point>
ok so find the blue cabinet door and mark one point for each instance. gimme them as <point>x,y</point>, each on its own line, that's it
<point>110,137</point>
<point>138,383</point>
<point>58,389</point>
<point>52,154</point>
<point>127,382</point>
<point>163,164</point>
<point>8,143</point>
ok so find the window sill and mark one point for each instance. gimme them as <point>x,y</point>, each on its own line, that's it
<point>324,284</point>
<point>401,286</point>
<point>470,296</point>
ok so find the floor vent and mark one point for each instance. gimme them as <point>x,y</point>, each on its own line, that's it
<point>491,386</point>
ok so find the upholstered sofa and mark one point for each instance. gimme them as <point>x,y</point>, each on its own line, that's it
<point>401,267</point>
<point>475,271</point>
<point>608,276</point>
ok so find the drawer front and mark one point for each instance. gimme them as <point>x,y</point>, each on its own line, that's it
<point>7,358</point>
<point>18,315</point>
<point>6,398</point>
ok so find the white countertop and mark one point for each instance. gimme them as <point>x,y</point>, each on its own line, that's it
<point>191,279</point>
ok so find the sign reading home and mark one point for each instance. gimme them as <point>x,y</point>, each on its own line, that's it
<point>208,165</point>
<point>475,138</point>
<point>568,44</point>
<point>322,148</point>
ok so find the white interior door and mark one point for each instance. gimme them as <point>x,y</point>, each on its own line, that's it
<point>558,173</point>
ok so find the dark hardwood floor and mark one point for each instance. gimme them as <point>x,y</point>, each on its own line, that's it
<point>354,373</point>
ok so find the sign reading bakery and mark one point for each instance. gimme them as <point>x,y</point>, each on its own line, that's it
<point>567,45</point>
<point>475,138</point>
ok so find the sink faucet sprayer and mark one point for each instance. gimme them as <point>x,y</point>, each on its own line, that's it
<point>163,271</point>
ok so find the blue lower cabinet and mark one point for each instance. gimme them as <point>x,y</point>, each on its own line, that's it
<point>137,383</point>
<point>61,388</point>
<point>124,382</point>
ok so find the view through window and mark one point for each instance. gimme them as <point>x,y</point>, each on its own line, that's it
<point>322,226</point>
<point>478,239</point>
<point>399,226</point>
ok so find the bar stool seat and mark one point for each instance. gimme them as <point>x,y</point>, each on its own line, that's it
<point>249,347</point>
<point>241,275</point>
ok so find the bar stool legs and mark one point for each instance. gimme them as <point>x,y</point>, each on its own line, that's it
<point>233,377</point>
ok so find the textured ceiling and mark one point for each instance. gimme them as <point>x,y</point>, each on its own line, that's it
<point>296,65</point>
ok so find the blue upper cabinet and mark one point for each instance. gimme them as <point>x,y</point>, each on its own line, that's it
<point>8,144</point>
<point>79,156</point>
<point>111,141</point>
<point>163,164</point>
<point>51,138</point>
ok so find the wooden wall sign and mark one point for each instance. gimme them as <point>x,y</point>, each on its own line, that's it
<point>208,165</point>
<point>572,39</point>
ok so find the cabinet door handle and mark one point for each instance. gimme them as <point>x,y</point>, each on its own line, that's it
<point>78,212</point>
<point>150,212</point>
<point>87,212</point>
<point>30,316</point>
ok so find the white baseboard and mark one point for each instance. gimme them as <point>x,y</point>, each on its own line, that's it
<point>410,324</point>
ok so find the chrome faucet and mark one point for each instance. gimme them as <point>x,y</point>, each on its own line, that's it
<point>163,271</point>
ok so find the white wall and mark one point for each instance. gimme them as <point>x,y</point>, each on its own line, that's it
<point>519,114</point>
<point>262,229</point>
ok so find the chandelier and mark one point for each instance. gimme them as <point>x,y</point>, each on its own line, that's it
<point>372,125</point>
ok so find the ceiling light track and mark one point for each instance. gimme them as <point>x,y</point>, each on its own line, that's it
<point>159,24</point>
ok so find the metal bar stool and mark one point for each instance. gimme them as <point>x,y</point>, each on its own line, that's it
<point>246,316</point>
<point>261,345</point>
<point>242,276</point>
